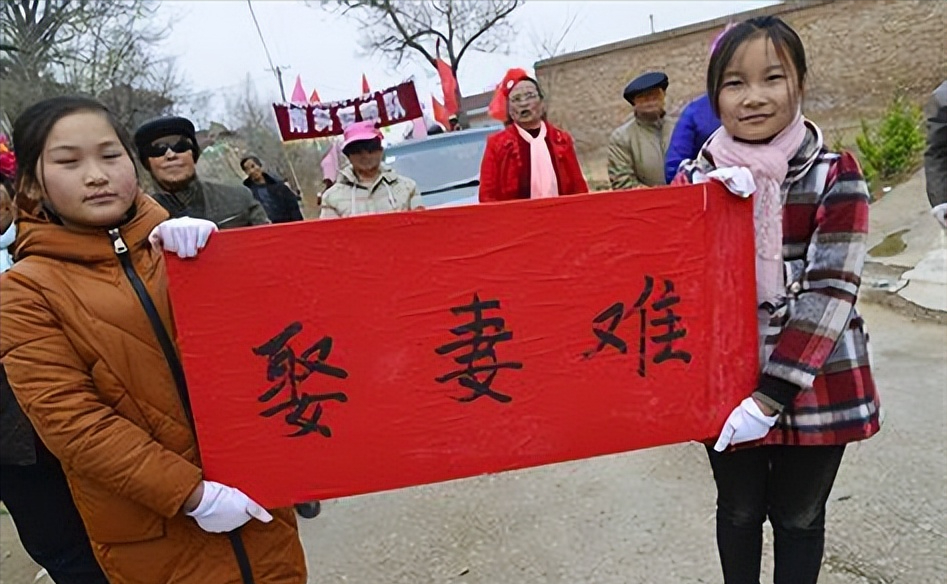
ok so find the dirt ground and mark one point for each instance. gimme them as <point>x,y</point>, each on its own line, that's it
<point>647,516</point>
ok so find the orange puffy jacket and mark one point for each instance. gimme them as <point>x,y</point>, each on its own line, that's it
<point>86,364</point>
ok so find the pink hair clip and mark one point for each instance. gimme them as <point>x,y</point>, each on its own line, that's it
<point>719,37</point>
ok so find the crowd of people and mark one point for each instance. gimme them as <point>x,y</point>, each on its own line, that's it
<point>100,467</point>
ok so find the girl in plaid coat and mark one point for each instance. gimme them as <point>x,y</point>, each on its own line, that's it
<point>815,392</point>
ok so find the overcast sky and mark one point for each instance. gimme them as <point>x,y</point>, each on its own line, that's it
<point>217,44</point>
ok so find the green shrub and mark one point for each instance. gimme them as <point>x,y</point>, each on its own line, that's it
<point>892,147</point>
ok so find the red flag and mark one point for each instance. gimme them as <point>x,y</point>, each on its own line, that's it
<point>314,98</point>
<point>365,88</point>
<point>448,83</point>
<point>440,114</point>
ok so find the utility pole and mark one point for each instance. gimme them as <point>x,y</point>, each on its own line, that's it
<point>279,79</point>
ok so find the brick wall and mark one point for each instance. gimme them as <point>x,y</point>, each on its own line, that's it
<point>859,52</point>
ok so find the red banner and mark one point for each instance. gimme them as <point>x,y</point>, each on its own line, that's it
<point>346,356</point>
<point>318,120</point>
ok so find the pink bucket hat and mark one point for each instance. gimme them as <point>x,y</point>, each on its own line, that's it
<point>360,131</point>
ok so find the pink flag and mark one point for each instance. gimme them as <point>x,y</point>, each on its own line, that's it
<point>314,98</point>
<point>299,94</point>
<point>420,128</point>
<point>330,163</point>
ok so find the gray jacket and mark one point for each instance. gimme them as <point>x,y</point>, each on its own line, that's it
<point>225,205</point>
<point>935,159</point>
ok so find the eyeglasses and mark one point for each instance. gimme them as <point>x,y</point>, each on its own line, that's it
<point>524,97</point>
<point>161,148</point>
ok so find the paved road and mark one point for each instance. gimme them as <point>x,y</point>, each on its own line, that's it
<point>647,516</point>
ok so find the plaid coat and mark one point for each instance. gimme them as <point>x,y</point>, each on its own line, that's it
<point>815,341</point>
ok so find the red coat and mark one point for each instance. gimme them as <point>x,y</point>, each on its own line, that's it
<point>504,171</point>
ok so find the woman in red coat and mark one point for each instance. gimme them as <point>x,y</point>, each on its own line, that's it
<point>531,158</point>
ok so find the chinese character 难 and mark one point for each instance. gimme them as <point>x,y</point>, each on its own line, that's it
<point>666,321</point>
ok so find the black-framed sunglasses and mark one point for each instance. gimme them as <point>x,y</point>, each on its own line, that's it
<point>161,148</point>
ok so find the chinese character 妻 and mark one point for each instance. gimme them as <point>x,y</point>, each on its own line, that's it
<point>481,347</point>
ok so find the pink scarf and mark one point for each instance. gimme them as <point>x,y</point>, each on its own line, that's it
<point>769,164</point>
<point>542,175</point>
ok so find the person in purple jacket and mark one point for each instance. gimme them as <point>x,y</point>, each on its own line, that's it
<point>696,124</point>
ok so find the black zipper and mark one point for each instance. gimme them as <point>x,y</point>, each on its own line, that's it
<point>177,371</point>
<point>167,346</point>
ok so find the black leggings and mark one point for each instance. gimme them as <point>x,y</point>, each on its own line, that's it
<point>788,484</point>
<point>50,529</point>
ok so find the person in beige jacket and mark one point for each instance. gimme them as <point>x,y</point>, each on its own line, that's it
<point>637,148</point>
<point>367,187</point>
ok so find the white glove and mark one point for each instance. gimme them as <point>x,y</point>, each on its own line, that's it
<point>746,423</point>
<point>224,508</point>
<point>737,179</point>
<point>184,235</point>
<point>940,213</point>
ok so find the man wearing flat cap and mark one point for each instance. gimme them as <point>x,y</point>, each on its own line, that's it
<point>636,149</point>
<point>168,150</point>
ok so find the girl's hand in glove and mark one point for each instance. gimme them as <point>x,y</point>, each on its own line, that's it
<point>224,508</point>
<point>184,236</point>
<point>746,422</point>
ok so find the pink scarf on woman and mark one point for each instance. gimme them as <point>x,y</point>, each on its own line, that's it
<point>542,175</point>
<point>768,163</point>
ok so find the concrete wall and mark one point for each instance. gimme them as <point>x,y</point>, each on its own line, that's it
<point>859,52</point>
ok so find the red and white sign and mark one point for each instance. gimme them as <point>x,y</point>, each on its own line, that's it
<point>338,357</point>
<point>318,120</point>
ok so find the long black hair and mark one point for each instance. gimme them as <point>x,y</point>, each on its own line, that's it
<point>787,43</point>
<point>31,130</point>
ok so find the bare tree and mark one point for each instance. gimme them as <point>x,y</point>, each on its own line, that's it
<point>33,33</point>
<point>553,42</point>
<point>96,47</point>
<point>405,29</point>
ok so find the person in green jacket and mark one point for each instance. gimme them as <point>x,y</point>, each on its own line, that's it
<point>167,148</point>
<point>637,148</point>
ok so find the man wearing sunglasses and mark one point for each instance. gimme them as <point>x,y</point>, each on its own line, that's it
<point>168,150</point>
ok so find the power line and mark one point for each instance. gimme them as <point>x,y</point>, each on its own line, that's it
<point>279,79</point>
<point>276,70</point>
<point>260,32</point>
